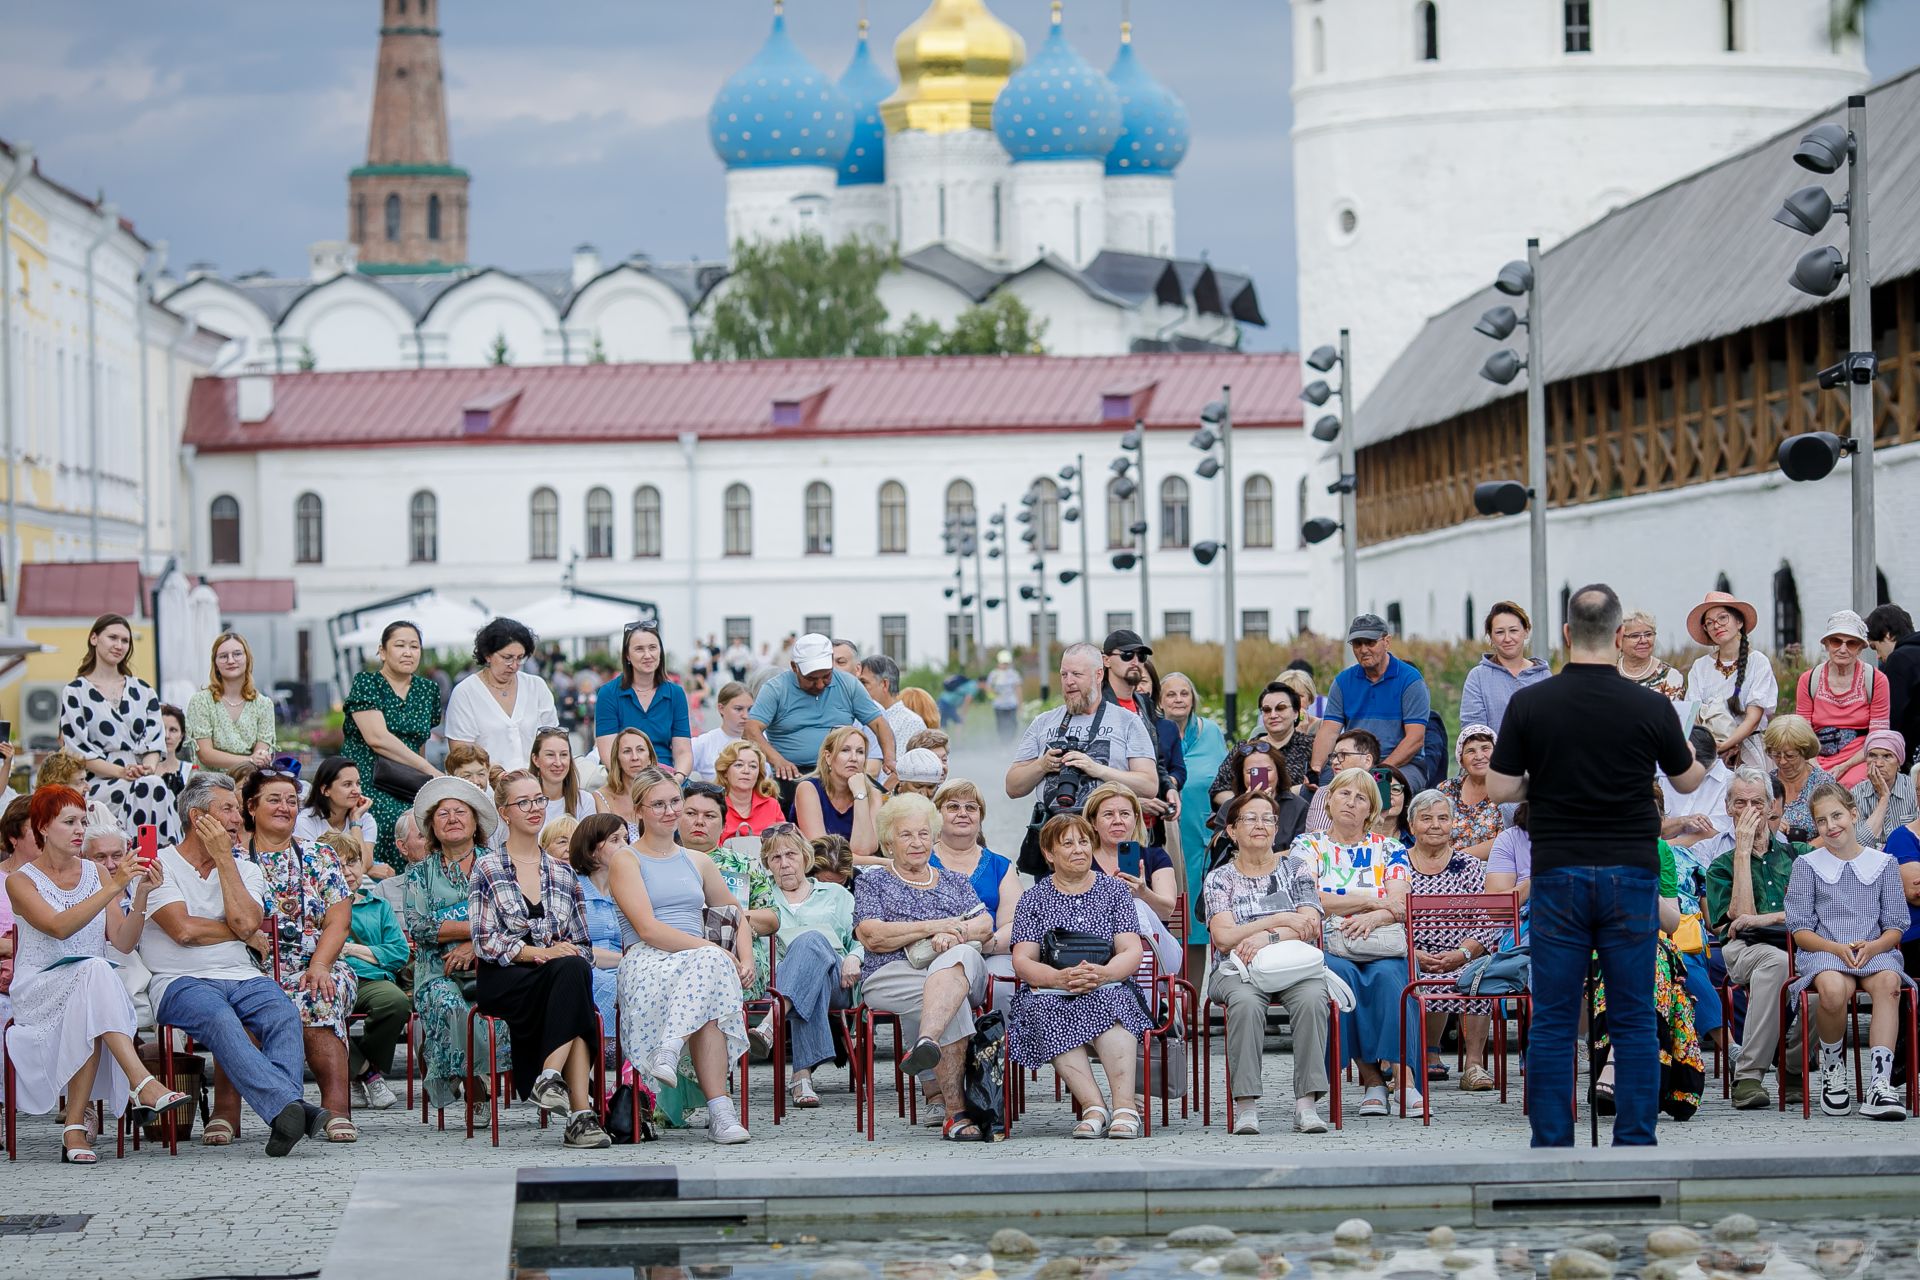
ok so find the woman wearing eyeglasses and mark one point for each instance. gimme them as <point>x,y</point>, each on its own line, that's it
<point>680,992</point>
<point>1282,739</point>
<point>643,698</point>
<point>1844,699</point>
<point>1256,766</point>
<point>501,706</point>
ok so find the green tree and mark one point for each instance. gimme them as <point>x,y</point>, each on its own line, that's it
<point>500,353</point>
<point>1003,326</point>
<point>598,355</point>
<point>308,361</point>
<point>799,299</point>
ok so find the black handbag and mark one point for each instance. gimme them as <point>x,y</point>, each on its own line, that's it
<point>401,781</point>
<point>630,1116</point>
<point>984,1078</point>
<point>1763,935</point>
<point>1065,948</point>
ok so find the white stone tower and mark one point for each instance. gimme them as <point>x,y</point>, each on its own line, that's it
<point>1431,139</point>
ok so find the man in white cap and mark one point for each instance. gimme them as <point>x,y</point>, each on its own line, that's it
<point>795,710</point>
<point>1005,684</point>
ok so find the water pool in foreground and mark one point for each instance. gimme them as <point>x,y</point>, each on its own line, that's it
<point>1828,1248</point>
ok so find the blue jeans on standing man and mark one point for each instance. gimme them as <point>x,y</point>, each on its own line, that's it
<point>219,1014</point>
<point>1575,912</point>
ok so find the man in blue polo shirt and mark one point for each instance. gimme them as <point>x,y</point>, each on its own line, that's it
<point>1384,696</point>
<point>796,710</point>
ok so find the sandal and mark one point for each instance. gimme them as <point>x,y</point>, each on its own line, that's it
<point>802,1093</point>
<point>169,1101</point>
<point>340,1129</point>
<point>1437,1069</point>
<point>959,1129</point>
<point>82,1154</point>
<point>1126,1123</point>
<point>218,1133</point>
<point>1089,1126</point>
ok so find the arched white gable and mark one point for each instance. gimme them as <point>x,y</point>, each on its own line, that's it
<point>635,316</point>
<point>347,323</point>
<point>905,292</point>
<point>216,305</point>
<point>466,321</point>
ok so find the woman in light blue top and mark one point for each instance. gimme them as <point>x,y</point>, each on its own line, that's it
<point>818,957</point>
<point>589,848</point>
<point>1499,675</point>
<point>678,990</point>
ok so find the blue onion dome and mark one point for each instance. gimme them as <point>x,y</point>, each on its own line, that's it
<point>779,111</point>
<point>1153,137</point>
<point>865,87</point>
<point>1058,107</point>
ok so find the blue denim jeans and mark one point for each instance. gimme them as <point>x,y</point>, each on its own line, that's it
<point>1577,911</point>
<point>810,980</point>
<point>219,1014</point>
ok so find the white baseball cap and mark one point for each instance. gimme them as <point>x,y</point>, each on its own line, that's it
<point>812,653</point>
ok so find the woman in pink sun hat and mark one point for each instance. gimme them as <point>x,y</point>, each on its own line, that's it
<point>1733,685</point>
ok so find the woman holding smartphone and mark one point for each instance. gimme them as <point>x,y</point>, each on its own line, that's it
<point>1120,851</point>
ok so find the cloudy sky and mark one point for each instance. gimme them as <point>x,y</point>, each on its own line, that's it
<point>227,127</point>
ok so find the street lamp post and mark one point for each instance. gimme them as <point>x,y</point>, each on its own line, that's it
<point>1004,554</point>
<point>1506,497</point>
<point>1329,428</point>
<point>1084,516</point>
<point>1812,455</point>
<point>1216,427</point>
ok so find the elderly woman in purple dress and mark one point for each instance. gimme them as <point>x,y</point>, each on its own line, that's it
<point>1059,1012</point>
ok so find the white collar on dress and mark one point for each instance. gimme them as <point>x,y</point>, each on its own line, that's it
<point>1867,865</point>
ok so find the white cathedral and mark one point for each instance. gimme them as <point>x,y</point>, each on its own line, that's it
<point>987,171</point>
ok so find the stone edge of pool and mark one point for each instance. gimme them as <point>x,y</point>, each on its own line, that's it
<point>463,1221</point>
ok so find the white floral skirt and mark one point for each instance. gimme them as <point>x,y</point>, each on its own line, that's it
<point>669,995</point>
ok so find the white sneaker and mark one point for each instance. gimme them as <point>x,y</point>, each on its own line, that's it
<point>1306,1118</point>
<point>1836,1092</point>
<point>664,1066</point>
<point>378,1094</point>
<point>1246,1118</point>
<point>723,1123</point>
<point>357,1094</point>
<point>1883,1102</point>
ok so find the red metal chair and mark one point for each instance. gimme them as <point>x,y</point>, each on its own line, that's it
<point>1477,915</point>
<point>1206,1069</point>
<point>1909,1008</point>
<point>772,1006</point>
<point>500,1082</point>
<point>864,1025</point>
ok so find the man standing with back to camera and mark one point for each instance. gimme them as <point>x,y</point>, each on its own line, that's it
<point>1581,748</point>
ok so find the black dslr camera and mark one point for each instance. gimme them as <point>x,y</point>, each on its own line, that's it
<point>1067,790</point>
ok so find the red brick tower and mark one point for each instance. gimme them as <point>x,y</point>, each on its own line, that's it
<point>407,205</point>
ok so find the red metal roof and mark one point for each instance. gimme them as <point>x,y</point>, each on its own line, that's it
<point>77,590</point>
<point>855,397</point>
<point>254,595</point>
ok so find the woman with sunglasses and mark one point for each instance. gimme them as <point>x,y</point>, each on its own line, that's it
<point>501,707</point>
<point>644,698</point>
<point>1844,699</point>
<point>1280,737</point>
<point>680,992</point>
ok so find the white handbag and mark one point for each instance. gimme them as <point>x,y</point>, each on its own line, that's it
<point>1388,942</point>
<point>1279,965</point>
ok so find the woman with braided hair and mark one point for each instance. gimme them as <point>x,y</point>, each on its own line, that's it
<point>1734,686</point>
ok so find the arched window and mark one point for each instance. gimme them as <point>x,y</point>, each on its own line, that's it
<point>893,518</point>
<point>224,518</point>
<point>360,219</point>
<point>1256,512</point>
<point>737,534</point>
<point>959,500</point>
<point>646,522</point>
<point>306,529</point>
<point>819,531</point>
<point>1881,595</point>
<point>1046,513</point>
<point>1723,584</point>
<point>1317,46</point>
<point>1473,621</point>
<point>433,217</point>
<point>1176,513</point>
<point>423,528</point>
<point>393,217</point>
<point>543,525</point>
<point>1786,608</point>
<point>1576,22</point>
<point>599,524</point>
<point>1300,518</point>
<point>1730,24</point>
<point>1426,31</point>
<point>1121,512</point>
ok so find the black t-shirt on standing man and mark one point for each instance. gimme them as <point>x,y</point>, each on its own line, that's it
<point>1589,740</point>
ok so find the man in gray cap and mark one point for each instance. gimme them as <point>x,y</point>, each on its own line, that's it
<point>1381,694</point>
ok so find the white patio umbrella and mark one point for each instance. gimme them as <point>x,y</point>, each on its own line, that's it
<point>443,623</point>
<point>18,646</point>
<point>203,628</point>
<point>569,617</point>
<point>182,668</point>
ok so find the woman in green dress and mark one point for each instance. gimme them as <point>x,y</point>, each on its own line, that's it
<point>390,714</point>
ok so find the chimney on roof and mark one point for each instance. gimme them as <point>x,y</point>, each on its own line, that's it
<point>586,264</point>
<point>329,258</point>
<point>256,397</point>
<point>201,271</point>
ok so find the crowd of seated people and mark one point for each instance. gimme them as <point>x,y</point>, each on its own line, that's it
<point>554,909</point>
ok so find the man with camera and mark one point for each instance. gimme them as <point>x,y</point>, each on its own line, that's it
<point>1068,751</point>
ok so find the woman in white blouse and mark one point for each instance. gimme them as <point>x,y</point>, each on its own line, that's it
<point>500,707</point>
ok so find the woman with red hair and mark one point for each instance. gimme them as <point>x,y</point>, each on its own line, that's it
<point>73,1022</point>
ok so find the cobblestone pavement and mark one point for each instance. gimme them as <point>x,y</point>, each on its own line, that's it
<point>234,1212</point>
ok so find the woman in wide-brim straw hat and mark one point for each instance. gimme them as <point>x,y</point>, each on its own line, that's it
<point>1843,698</point>
<point>1733,684</point>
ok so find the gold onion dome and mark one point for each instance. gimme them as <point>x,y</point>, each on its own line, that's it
<point>953,60</point>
